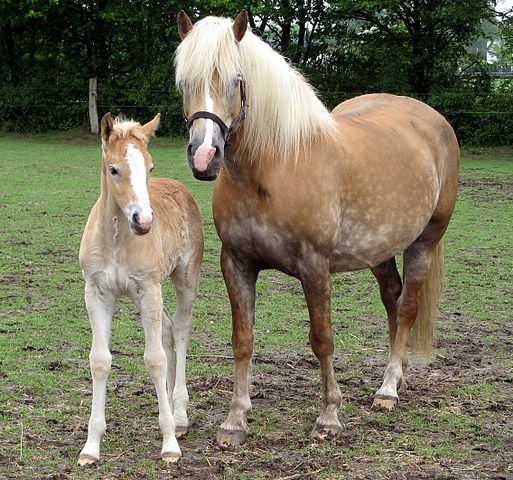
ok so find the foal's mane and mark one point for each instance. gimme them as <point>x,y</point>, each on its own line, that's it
<point>284,114</point>
<point>124,128</point>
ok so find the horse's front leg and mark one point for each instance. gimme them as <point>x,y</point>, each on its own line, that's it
<point>240,281</point>
<point>100,308</point>
<point>316,283</point>
<point>155,360</point>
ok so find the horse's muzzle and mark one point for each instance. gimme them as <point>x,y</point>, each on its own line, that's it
<point>205,160</point>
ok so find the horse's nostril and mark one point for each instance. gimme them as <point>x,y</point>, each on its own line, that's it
<point>135,218</point>
<point>189,149</point>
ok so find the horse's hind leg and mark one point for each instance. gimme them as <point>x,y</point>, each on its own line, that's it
<point>176,333</point>
<point>390,287</point>
<point>417,261</point>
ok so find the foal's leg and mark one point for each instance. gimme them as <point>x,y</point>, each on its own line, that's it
<point>317,289</point>
<point>240,281</point>
<point>100,307</point>
<point>417,261</point>
<point>155,360</point>
<point>185,278</point>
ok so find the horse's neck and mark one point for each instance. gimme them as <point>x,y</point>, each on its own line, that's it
<point>244,165</point>
<point>111,220</point>
<point>237,163</point>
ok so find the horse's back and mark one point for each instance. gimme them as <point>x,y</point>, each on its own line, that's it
<point>376,105</point>
<point>400,133</point>
<point>382,115</point>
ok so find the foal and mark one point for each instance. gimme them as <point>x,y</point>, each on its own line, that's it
<point>138,233</point>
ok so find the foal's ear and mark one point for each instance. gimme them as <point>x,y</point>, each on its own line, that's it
<point>106,127</point>
<point>150,128</point>
<point>184,24</point>
<point>240,25</point>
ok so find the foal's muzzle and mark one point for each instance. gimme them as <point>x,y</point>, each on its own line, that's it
<point>141,225</point>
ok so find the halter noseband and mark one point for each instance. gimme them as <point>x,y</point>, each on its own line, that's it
<point>225,129</point>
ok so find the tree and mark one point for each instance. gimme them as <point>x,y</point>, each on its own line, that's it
<point>422,40</point>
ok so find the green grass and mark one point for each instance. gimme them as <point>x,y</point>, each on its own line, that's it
<point>452,419</point>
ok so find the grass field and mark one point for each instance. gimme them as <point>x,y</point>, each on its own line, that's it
<point>455,419</point>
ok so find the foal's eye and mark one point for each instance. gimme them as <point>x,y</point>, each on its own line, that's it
<point>151,169</point>
<point>113,171</point>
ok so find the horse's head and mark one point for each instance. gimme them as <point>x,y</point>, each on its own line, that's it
<point>126,167</point>
<point>213,89</point>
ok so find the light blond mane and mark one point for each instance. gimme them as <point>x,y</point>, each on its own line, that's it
<point>124,128</point>
<point>284,115</point>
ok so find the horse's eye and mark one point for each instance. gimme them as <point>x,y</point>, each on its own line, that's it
<point>151,169</point>
<point>113,171</point>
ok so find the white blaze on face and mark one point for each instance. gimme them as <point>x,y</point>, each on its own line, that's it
<point>209,129</point>
<point>136,164</point>
<point>206,151</point>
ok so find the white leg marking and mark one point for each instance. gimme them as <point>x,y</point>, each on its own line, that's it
<point>100,309</point>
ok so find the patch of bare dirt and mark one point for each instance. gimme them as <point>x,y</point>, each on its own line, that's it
<point>485,190</point>
<point>286,401</point>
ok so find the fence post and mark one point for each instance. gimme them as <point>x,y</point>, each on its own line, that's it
<point>93,110</point>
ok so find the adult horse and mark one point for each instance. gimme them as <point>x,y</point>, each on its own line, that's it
<point>310,193</point>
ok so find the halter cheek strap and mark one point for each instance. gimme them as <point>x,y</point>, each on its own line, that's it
<point>225,129</point>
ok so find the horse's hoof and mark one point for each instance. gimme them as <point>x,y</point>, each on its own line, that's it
<point>230,438</point>
<point>180,430</point>
<point>86,460</point>
<point>171,457</point>
<point>325,432</point>
<point>384,402</point>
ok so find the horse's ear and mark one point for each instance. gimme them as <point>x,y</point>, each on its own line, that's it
<point>106,127</point>
<point>150,128</point>
<point>240,25</point>
<point>184,24</point>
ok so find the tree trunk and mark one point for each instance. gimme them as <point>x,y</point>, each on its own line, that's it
<point>93,110</point>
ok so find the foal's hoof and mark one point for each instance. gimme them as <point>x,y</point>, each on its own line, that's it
<point>384,402</point>
<point>230,438</point>
<point>171,457</point>
<point>86,460</point>
<point>325,432</point>
<point>181,430</point>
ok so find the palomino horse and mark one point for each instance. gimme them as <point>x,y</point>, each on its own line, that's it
<point>138,233</point>
<point>310,193</point>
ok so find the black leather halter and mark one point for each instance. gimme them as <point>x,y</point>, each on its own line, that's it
<point>225,129</point>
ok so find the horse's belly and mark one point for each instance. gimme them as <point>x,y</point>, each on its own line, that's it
<point>362,246</point>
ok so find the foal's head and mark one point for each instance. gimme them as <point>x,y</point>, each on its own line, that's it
<point>209,76</point>
<point>126,167</point>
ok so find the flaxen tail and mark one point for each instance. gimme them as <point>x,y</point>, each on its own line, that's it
<point>422,333</point>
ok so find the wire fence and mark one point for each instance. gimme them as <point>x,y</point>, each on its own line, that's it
<point>485,119</point>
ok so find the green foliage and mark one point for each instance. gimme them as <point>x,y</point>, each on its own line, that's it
<point>50,49</point>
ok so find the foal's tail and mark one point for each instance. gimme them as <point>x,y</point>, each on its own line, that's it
<point>422,333</point>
